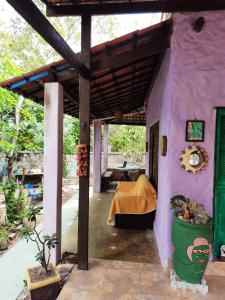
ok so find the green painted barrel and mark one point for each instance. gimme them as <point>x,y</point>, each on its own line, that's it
<point>192,244</point>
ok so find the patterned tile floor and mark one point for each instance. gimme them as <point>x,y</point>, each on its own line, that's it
<point>117,280</point>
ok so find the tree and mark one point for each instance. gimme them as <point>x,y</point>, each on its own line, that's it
<point>20,119</point>
<point>71,134</point>
<point>21,50</point>
<point>129,140</point>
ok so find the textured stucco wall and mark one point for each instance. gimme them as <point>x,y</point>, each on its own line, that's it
<point>194,86</point>
<point>158,108</point>
<point>198,87</point>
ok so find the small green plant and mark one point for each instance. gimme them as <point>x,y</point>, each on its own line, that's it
<point>15,201</point>
<point>65,169</point>
<point>44,243</point>
<point>3,237</point>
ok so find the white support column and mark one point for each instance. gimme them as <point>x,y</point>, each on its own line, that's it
<point>97,157</point>
<point>53,157</point>
<point>105,147</point>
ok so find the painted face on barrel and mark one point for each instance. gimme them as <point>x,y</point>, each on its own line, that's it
<point>198,253</point>
<point>200,256</point>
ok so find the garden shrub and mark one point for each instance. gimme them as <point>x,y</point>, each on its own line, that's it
<point>15,201</point>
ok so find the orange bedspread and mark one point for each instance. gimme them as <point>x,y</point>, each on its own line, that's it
<point>133,198</point>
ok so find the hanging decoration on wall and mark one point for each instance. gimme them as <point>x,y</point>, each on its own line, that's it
<point>163,145</point>
<point>195,130</point>
<point>82,160</point>
<point>194,159</point>
<point>199,24</point>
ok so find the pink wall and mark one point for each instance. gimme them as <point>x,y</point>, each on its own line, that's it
<point>193,87</point>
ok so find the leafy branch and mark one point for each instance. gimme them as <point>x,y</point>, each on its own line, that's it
<point>44,244</point>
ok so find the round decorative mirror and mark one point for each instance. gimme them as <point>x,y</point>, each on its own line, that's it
<point>194,159</point>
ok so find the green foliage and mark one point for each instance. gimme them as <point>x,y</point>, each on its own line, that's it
<point>129,140</point>
<point>3,237</point>
<point>22,50</point>
<point>44,243</point>
<point>3,234</point>
<point>29,134</point>
<point>15,201</point>
<point>71,135</point>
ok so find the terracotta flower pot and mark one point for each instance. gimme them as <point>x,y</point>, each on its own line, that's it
<point>46,288</point>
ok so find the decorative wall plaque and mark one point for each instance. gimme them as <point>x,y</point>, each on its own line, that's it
<point>163,145</point>
<point>194,159</point>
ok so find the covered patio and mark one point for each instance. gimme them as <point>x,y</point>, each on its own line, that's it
<point>123,74</point>
<point>145,78</point>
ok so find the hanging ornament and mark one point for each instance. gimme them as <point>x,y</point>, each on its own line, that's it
<point>82,160</point>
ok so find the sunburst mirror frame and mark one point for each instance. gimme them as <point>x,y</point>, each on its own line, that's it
<point>186,156</point>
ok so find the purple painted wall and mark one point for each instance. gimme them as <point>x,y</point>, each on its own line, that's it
<point>159,109</point>
<point>191,83</point>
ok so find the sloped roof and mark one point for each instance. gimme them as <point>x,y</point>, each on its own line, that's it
<point>121,71</point>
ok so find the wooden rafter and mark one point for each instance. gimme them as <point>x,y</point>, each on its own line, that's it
<point>119,7</point>
<point>29,11</point>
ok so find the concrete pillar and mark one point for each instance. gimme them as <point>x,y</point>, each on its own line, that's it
<point>53,157</point>
<point>97,157</point>
<point>105,147</point>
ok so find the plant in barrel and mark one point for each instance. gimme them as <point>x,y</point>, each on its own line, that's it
<point>191,239</point>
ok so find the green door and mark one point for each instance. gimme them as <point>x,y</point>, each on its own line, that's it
<point>219,184</point>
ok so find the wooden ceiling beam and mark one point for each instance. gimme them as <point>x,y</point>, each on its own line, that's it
<point>135,7</point>
<point>123,107</point>
<point>122,97</point>
<point>29,11</point>
<point>132,56</point>
<point>121,83</point>
<point>122,90</point>
<point>126,85</point>
<point>128,69</point>
<point>103,81</point>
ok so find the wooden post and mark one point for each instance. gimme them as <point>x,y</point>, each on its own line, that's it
<point>53,157</point>
<point>85,94</point>
<point>105,147</point>
<point>97,161</point>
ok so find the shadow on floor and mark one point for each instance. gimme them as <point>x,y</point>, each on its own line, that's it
<point>107,242</point>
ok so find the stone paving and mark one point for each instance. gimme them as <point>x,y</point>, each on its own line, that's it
<point>117,280</point>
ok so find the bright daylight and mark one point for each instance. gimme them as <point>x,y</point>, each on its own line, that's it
<point>112,150</point>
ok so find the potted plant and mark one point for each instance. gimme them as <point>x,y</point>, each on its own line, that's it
<point>43,280</point>
<point>191,239</point>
